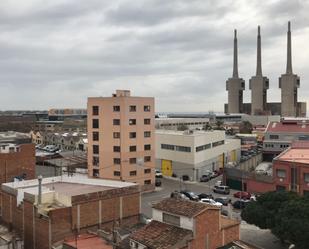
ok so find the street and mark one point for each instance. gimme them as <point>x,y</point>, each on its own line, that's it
<point>248,233</point>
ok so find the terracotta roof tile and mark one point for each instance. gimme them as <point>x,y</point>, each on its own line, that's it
<point>182,207</point>
<point>158,235</point>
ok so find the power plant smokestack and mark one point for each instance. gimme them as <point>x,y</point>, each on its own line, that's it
<point>235,59</point>
<point>259,57</point>
<point>289,51</point>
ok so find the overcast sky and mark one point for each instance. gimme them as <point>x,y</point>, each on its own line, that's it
<point>54,54</point>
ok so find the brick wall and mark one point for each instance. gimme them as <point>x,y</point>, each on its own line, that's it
<point>231,234</point>
<point>17,163</point>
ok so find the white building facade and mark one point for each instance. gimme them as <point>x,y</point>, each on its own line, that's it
<point>194,153</point>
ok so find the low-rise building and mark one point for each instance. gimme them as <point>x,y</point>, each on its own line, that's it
<point>181,123</point>
<point>280,135</point>
<point>185,224</point>
<point>14,137</point>
<point>291,169</point>
<point>48,210</point>
<point>194,153</point>
<point>16,161</point>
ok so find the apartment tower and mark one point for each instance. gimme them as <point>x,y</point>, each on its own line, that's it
<point>121,141</point>
<point>258,84</point>
<point>289,83</point>
<point>235,85</point>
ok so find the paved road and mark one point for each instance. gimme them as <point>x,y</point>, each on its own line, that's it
<point>249,233</point>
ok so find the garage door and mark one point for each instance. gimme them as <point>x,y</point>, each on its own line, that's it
<point>233,156</point>
<point>166,167</point>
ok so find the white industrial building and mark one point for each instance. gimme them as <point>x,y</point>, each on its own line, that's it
<point>193,153</point>
<point>175,123</point>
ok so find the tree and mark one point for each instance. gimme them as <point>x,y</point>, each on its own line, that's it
<point>245,127</point>
<point>284,213</point>
<point>219,125</point>
<point>207,127</point>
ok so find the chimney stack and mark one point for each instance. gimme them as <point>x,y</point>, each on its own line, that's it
<point>289,51</point>
<point>235,62</point>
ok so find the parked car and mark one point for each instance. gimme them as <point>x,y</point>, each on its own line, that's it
<point>158,183</point>
<point>205,178</point>
<point>158,174</point>
<point>223,200</point>
<point>221,189</point>
<point>211,202</point>
<point>205,196</point>
<point>240,204</point>
<point>177,194</point>
<point>218,183</point>
<point>242,195</point>
<point>191,195</point>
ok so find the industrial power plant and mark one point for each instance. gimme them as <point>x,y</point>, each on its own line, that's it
<point>259,84</point>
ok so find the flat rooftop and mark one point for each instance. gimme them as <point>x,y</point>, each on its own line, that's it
<point>288,126</point>
<point>191,133</point>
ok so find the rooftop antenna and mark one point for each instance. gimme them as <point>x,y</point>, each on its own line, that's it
<point>235,62</point>
<point>289,51</point>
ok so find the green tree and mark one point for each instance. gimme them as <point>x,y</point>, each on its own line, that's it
<point>284,213</point>
<point>245,127</point>
<point>207,127</point>
<point>219,125</point>
<point>182,127</point>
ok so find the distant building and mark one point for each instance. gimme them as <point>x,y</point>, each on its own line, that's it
<point>121,140</point>
<point>16,161</point>
<point>185,224</point>
<point>179,123</point>
<point>194,153</point>
<point>291,169</point>
<point>15,137</point>
<point>280,135</point>
<point>60,207</point>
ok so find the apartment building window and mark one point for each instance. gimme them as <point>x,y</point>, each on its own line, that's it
<point>95,123</point>
<point>133,173</point>
<point>116,160</point>
<point>132,134</point>
<point>147,159</point>
<point>132,108</point>
<point>183,148</point>
<point>95,149</point>
<point>147,133</point>
<point>147,182</point>
<point>171,219</point>
<point>273,136</point>
<point>147,147</point>
<point>116,173</point>
<point>147,171</point>
<point>132,160</point>
<point>167,146</point>
<point>132,148</point>
<point>95,136</point>
<point>306,177</point>
<point>116,135</point>
<point>281,173</point>
<point>116,148</point>
<point>95,110</point>
<point>203,147</point>
<point>215,144</point>
<point>132,121</point>
<point>95,161</point>
<point>147,121</point>
<point>116,121</point>
<point>95,173</point>
<point>116,108</point>
<point>146,108</point>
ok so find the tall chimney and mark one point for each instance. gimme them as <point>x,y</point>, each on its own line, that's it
<point>235,62</point>
<point>40,178</point>
<point>289,51</point>
<point>259,57</point>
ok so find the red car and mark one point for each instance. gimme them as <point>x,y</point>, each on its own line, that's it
<point>242,195</point>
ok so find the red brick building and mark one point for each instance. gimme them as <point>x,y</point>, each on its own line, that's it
<point>16,161</point>
<point>67,206</point>
<point>185,224</point>
<point>291,169</point>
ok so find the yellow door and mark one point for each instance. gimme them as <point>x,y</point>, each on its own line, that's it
<point>166,167</point>
<point>221,160</point>
<point>233,156</point>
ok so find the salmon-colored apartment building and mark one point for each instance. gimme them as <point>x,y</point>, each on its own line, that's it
<point>121,139</point>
